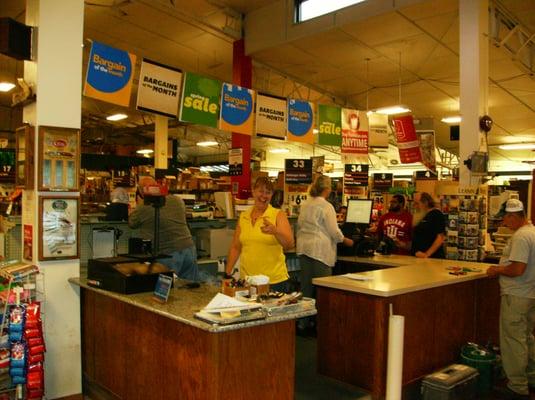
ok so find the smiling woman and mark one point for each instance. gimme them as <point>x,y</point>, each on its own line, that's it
<point>262,234</point>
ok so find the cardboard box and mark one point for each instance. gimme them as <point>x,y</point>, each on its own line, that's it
<point>233,291</point>
<point>259,289</point>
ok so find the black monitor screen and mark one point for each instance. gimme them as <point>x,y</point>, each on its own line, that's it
<point>359,211</point>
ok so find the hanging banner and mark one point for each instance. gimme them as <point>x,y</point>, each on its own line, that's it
<point>159,88</point>
<point>356,175</point>
<point>300,121</point>
<point>235,162</point>
<point>378,128</point>
<point>427,148</point>
<point>407,141</point>
<point>383,181</point>
<point>354,132</point>
<point>237,105</point>
<point>271,116</point>
<point>297,171</point>
<point>200,100</point>
<point>329,125</point>
<point>109,74</point>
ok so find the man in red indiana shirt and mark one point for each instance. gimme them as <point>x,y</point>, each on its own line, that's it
<point>397,225</point>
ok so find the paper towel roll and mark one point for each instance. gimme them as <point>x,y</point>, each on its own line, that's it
<point>394,369</point>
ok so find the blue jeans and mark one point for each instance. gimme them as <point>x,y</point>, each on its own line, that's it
<point>183,263</point>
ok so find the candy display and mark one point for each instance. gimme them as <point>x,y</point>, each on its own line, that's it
<point>22,345</point>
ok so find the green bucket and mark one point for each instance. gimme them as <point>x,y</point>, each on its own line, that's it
<point>484,361</point>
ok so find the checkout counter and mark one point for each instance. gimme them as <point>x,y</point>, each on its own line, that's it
<point>442,312</point>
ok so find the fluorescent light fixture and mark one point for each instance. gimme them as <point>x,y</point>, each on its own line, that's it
<point>145,151</point>
<point>279,151</point>
<point>517,146</point>
<point>207,143</point>
<point>393,110</point>
<point>315,131</point>
<point>452,120</point>
<point>116,117</point>
<point>309,9</point>
<point>6,86</point>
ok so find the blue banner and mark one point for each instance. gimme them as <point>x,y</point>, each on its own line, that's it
<point>109,74</point>
<point>300,121</point>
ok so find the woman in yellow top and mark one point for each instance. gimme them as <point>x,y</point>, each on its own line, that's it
<point>262,234</point>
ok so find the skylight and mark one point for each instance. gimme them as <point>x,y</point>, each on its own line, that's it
<point>308,9</point>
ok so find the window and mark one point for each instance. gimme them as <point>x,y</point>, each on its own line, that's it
<point>308,9</point>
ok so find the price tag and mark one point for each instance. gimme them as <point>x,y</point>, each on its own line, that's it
<point>162,289</point>
<point>296,199</point>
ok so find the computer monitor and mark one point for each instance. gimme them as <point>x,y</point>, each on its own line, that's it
<point>359,211</point>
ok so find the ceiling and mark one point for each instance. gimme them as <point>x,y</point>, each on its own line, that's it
<point>358,63</point>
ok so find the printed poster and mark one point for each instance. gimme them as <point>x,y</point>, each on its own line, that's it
<point>354,132</point>
<point>109,74</point>
<point>329,125</point>
<point>300,121</point>
<point>235,162</point>
<point>200,100</point>
<point>378,130</point>
<point>271,115</point>
<point>237,106</point>
<point>159,89</point>
<point>407,141</point>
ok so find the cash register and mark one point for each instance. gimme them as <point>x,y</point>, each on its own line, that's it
<point>358,218</point>
<point>132,273</point>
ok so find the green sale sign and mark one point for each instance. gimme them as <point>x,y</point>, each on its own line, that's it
<point>330,125</point>
<point>200,100</point>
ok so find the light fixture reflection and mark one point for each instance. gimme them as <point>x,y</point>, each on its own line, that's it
<point>116,117</point>
<point>517,146</point>
<point>452,120</point>
<point>207,143</point>
<point>279,151</point>
<point>393,110</point>
<point>6,86</point>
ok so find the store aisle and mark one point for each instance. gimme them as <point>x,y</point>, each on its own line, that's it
<point>309,385</point>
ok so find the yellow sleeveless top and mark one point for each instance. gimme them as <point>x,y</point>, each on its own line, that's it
<point>261,253</point>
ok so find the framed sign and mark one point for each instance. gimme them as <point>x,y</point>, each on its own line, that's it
<point>59,236</point>
<point>59,159</point>
<point>24,170</point>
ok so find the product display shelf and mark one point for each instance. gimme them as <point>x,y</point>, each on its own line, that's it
<point>466,226</point>
<point>23,285</point>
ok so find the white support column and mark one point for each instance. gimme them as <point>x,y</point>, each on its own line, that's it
<point>474,76</point>
<point>56,73</point>
<point>161,134</point>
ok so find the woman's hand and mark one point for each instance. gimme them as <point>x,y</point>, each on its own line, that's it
<point>268,227</point>
<point>421,254</point>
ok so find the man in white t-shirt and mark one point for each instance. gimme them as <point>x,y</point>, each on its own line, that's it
<point>517,309</point>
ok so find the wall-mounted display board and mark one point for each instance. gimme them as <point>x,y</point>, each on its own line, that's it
<point>59,159</point>
<point>59,236</point>
<point>24,173</point>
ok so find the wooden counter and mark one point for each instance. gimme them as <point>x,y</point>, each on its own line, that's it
<point>133,348</point>
<point>442,312</point>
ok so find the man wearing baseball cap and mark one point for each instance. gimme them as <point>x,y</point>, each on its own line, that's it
<point>517,309</point>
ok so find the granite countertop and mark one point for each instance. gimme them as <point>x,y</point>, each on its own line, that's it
<point>183,303</point>
<point>407,274</point>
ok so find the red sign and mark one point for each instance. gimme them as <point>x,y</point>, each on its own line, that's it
<point>408,143</point>
<point>28,243</point>
<point>354,142</point>
<point>59,143</point>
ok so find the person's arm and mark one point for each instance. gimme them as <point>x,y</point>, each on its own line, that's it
<point>135,219</point>
<point>434,247</point>
<point>380,227</point>
<point>282,230</point>
<point>234,251</point>
<point>331,225</point>
<point>512,270</point>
